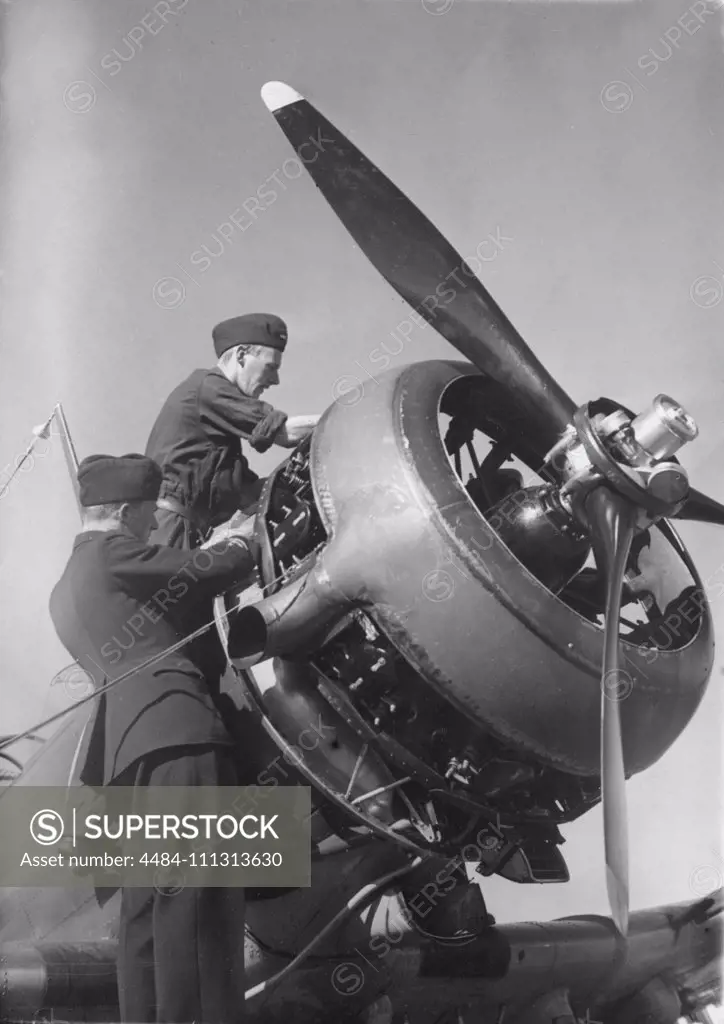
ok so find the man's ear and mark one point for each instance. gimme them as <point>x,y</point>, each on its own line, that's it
<point>240,355</point>
<point>124,513</point>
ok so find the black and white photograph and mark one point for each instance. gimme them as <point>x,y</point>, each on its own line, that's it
<point>361,511</point>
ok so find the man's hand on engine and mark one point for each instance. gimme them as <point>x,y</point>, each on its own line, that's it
<point>241,529</point>
<point>297,427</point>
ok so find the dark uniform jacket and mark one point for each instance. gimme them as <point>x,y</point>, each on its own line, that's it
<point>118,603</point>
<point>196,440</point>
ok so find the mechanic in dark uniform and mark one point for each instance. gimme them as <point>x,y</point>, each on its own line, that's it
<point>197,437</point>
<point>120,601</point>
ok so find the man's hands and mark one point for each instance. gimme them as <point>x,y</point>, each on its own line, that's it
<point>296,429</point>
<point>302,425</point>
<point>280,429</point>
<point>238,527</point>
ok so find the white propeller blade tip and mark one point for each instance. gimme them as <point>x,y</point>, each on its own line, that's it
<point>277,95</point>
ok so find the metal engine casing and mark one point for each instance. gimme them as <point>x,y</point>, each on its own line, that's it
<point>475,624</point>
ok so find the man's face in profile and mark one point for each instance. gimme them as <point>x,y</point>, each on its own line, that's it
<point>255,373</point>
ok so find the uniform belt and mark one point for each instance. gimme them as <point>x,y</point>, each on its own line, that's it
<point>171,505</point>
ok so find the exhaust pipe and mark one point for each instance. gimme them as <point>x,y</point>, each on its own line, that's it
<point>70,975</point>
<point>296,619</point>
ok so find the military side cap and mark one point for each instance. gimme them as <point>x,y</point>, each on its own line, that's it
<point>104,479</point>
<point>250,329</point>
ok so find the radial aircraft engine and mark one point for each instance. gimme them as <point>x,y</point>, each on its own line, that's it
<point>471,580</point>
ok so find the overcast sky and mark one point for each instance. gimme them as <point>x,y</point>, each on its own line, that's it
<point>586,135</point>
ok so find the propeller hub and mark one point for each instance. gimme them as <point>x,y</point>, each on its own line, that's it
<point>668,482</point>
<point>664,428</point>
<point>633,455</point>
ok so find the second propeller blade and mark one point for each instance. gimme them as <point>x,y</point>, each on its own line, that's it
<point>611,518</point>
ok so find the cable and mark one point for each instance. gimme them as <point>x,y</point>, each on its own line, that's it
<point>9,740</point>
<point>28,451</point>
<point>13,761</point>
<point>107,686</point>
<point>361,900</point>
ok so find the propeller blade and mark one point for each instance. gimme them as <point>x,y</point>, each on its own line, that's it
<point>418,262</point>
<point>611,520</point>
<point>702,509</point>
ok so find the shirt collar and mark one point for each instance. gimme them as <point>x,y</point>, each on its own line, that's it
<point>88,535</point>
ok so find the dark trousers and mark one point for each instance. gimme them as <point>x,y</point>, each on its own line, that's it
<point>181,952</point>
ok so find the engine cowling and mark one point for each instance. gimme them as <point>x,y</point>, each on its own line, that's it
<point>446,655</point>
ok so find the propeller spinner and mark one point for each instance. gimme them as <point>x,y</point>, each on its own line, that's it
<point>613,473</point>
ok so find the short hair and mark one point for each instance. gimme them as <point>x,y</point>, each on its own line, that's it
<point>245,350</point>
<point>108,510</point>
